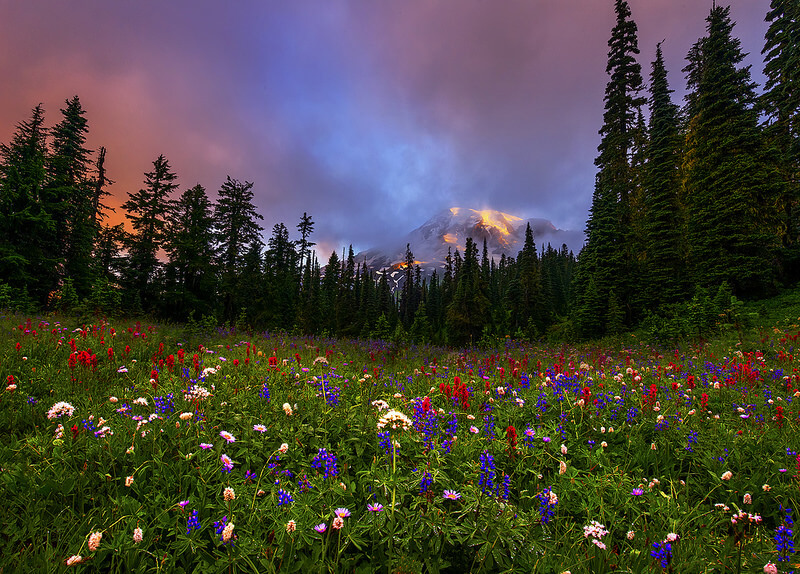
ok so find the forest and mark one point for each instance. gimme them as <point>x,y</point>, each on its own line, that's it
<point>695,207</point>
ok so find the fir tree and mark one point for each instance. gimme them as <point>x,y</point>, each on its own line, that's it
<point>147,210</point>
<point>189,244</point>
<point>608,253</point>
<point>28,259</point>
<point>730,184</point>
<point>663,277</point>
<point>236,230</point>
<point>781,104</point>
<point>70,192</point>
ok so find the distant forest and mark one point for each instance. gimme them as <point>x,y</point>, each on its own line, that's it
<point>695,207</point>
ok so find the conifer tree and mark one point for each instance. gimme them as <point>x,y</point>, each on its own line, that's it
<point>467,310</point>
<point>663,276</point>
<point>70,192</point>
<point>781,104</point>
<point>189,244</point>
<point>730,183</point>
<point>306,228</point>
<point>607,257</point>
<point>147,210</point>
<point>27,256</point>
<point>236,229</point>
<point>281,277</point>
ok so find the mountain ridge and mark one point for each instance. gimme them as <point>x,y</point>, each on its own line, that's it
<point>449,229</point>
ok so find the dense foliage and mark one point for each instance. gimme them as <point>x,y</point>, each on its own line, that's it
<point>134,447</point>
<point>696,201</point>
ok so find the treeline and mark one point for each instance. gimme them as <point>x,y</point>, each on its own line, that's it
<point>697,196</point>
<point>691,205</point>
<point>188,258</point>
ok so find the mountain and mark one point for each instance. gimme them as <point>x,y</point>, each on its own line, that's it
<point>429,243</point>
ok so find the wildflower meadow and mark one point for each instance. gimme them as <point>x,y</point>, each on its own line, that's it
<point>132,447</point>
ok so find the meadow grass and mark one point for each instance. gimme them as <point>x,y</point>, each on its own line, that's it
<point>140,447</point>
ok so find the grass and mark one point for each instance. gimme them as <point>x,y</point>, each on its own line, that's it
<point>611,457</point>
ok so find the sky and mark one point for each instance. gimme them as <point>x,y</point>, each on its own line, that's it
<point>369,115</point>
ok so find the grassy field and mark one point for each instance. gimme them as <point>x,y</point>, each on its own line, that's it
<point>138,447</point>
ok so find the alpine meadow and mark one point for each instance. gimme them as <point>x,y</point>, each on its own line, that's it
<point>186,392</point>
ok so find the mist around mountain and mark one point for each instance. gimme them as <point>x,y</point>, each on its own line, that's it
<point>449,230</point>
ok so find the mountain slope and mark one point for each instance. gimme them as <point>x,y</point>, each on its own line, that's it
<point>504,234</point>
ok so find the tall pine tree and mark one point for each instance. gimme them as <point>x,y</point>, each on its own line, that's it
<point>606,262</point>
<point>70,193</point>
<point>730,184</point>
<point>189,244</point>
<point>236,229</point>
<point>663,277</point>
<point>147,210</point>
<point>27,258</point>
<point>781,104</point>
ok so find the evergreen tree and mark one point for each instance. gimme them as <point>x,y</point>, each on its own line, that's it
<point>189,244</point>
<point>730,182</point>
<point>70,192</point>
<point>28,259</point>
<point>235,231</point>
<point>663,277</point>
<point>608,254</point>
<point>781,104</point>
<point>281,271</point>
<point>409,299</point>
<point>346,297</point>
<point>330,290</point>
<point>306,228</point>
<point>467,310</point>
<point>147,210</point>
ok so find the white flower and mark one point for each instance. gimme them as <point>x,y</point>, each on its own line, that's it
<point>227,532</point>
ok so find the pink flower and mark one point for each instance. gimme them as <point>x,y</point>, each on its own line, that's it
<point>229,494</point>
<point>77,559</point>
<point>227,532</point>
<point>770,568</point>
<point>291,526</point>
<point>338,522</point>
<point>137,535</point>
<point>727,475</point>
<point>94,540</point>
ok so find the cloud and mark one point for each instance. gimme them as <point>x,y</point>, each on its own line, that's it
<point>370,116</point>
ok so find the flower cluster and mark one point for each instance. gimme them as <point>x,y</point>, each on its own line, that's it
<point>284,497</point>
<point>394,419</point>
<point>784,536</point>
<point>327,462</point>
<point>547,502</point>
<point>225,530</point>
<point>595,532</point>
<point>60,409</point>
<point>662,551</point>
<point>193,523</point>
